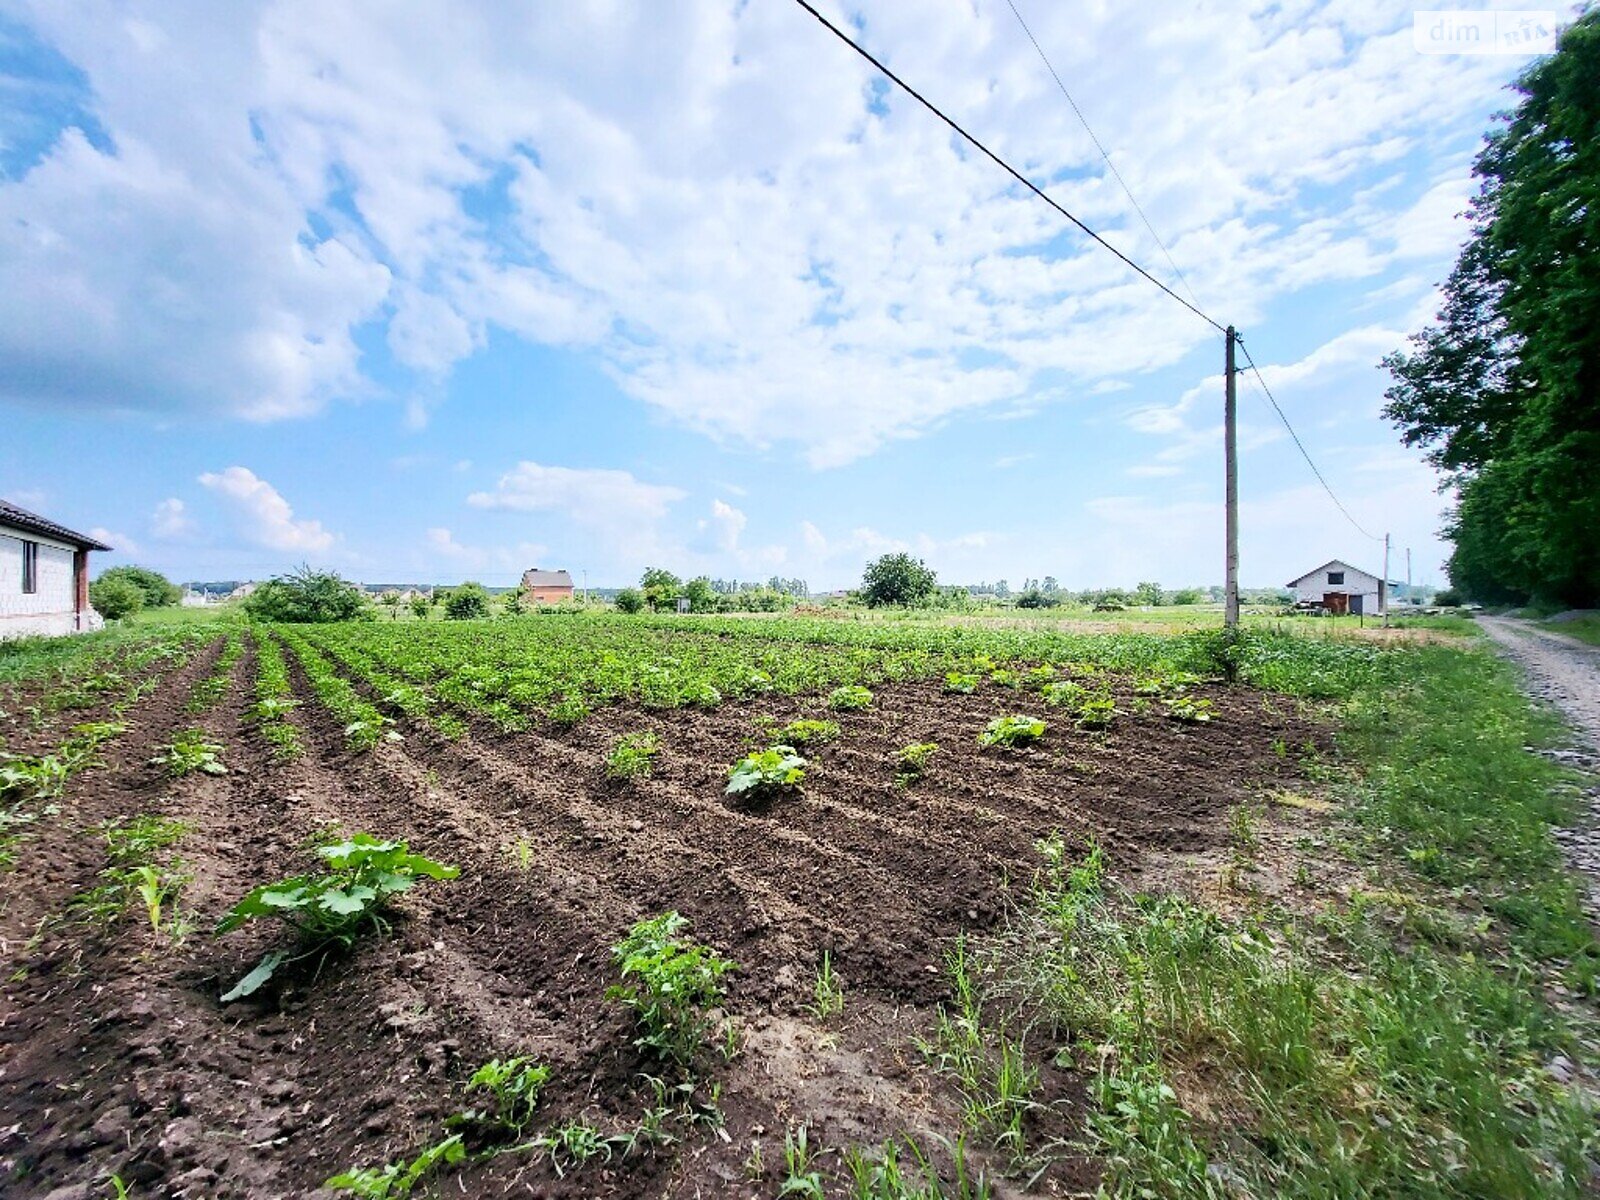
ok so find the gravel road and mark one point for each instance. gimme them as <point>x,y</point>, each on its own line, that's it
<point>1566,673</point>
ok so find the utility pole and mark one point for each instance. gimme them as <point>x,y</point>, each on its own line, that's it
<point>1230,445</point>
<point>1408,576</point>
<point>1383,590</point>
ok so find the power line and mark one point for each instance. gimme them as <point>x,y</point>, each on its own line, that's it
<point>1304,453</point>
<point>1104,153</point>
<point>1000,162</point>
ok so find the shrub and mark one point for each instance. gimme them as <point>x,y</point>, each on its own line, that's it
<point>363,874</point>
<point>630,600</point>
<point>1034,598</point>
<point>897,579</point>
<point>115,598</point>
<point>306,597</point>
<point>1012,731</point>
<point>467,602</point>
<point>420,605</point>
<point>850,696</point>
<point>670,983</point>
<point>155,588</point>
<point>773,769</point>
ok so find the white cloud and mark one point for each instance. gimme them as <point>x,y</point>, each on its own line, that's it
<point>120,542</point>
<point>267,518</point>
<point>587,496</point>
<point>709,198</point>
<point>1012,460</point>
<point>441,544</point>
<point>170,520</point>
<point>727,523</point>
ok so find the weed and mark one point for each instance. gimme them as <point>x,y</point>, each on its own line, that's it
<point>670,983</point>
<point>827,994</point>
<point>774,769</point>
<point>754,1168</point>
<point>521,852</point>
<point>801,1178</point>
<point>363,874</point>
<point>575,1144</point>
<point>881,1176</point>
<point>396,1180</point>
<point>807,733</point>
<point>632,755</point>
<point>189,752</point>
<point>848,697</point>
<point>1010,732</point>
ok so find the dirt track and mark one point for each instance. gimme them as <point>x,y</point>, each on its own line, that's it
<point>117,1056</point>
<point>1565,673</point>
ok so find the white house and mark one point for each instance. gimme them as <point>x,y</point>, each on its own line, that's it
<point>1341,588</point>
<point>44,576</point>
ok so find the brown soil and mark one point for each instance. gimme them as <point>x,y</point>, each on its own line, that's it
<point>117,1056</point>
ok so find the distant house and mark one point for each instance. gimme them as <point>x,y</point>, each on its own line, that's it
<point>547,587</point>
<point>1341,588</point>
<point>44,576</point>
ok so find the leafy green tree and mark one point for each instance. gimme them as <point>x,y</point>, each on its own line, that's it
<point>1187,596</point>
<point>1504,389</point>
<point>115,596</point>
<point>1147,593</point>
<point>661,588</point>
<point>155,589</point>
<point>630,600</point>
<point>467,602</point>
<point>420,605</point>
<point>305,596</point>
<point>897,579</point>
<point>700,595</point>
<point>513,606</point>
<point>391,600</point>
<point>1036,597</point>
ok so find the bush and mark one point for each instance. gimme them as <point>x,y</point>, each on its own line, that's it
<point>1034,598</point>
<point>115,598</point>
<point>156,589</point>
<point>467,602</point>
<point>897,579</point>
<point>307,597</point>
<point>1449,598</point>
<point>630,600</point>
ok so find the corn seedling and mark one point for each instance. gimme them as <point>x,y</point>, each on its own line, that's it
<point>189,752</point>
<point>632,756</point>
<point>670,983</point>
<point>883,1177</point>
<point>363,875</point>
<point>807,733</point>
<point>774,769</point>
<point>827,994</point>
<point>851,696</point>
<point>1011,732</point>
<point>397,1180</point>
<point>801,1178</point>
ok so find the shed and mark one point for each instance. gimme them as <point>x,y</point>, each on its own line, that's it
<point>44,576</point>
<point>1341,588</point>
<point>547,587</point>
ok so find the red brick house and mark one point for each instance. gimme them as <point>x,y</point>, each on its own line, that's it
<point>546,587</point>
<point>44,576</point>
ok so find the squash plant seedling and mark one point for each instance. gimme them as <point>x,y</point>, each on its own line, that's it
<point>850,696</point>
<point>771,770</point>
<point>1010,732</point>
<point>632,756</point>
<point>363,874</point>
<point>804,733</point>
<point>190,752</point>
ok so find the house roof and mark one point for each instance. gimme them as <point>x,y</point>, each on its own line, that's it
<point>1336,564</point>
<point>537,578</point>
<point>21,518</point>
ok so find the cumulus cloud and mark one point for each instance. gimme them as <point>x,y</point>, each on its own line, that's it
<point>170,520</point>
<point>120,542</point>
<point>717,201</point>
<point>441,543</point>
<point>588,496</point>
<point>266,517</point>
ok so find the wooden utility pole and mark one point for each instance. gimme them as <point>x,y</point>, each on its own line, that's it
<point>1230,445</point>
<point>1409,600</point>
<point>1383,590</point>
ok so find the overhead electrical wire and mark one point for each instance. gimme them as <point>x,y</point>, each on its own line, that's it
<point>1000,162</point>
<point>1192,305</point>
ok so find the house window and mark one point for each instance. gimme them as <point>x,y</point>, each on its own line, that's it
<point>30,568</point>
<point>1335,576</point>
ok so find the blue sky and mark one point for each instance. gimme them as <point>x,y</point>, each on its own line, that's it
<point>606,286</point>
